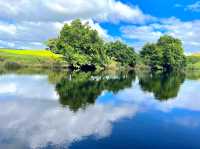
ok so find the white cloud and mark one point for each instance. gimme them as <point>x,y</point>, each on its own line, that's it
<point>186,31</point>
<point>42,19</point>
<point>62,10</point>
<point>29,31</point>
<point>195,7</point>
<point>27,34</point>
<point>33,34</point>
<point>21,45</point>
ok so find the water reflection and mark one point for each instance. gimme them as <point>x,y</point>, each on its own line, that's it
<point>30,123</point>
<point>163,86</point>
<point>80,89</point>
<point>13,87</point>
<point>57,109</point>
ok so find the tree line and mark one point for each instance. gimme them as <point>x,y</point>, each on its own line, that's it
<point>83,48</point>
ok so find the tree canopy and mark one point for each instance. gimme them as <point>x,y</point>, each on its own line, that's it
<point>167,54</point>
<point>121,53</point>
<point>81,45</point>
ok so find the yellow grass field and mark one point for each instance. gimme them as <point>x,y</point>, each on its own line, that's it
<point>31,58</point>
<point>41,53</point>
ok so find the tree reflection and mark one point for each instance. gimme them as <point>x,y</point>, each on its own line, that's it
<point>163,86</point>
<point>77,90</point>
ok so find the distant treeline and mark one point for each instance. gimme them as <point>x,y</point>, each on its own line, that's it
<point>83,48</point>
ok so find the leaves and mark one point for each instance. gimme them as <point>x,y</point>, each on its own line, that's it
<point>121,53</point>
<point>82,45</point>
<point>167,54</point>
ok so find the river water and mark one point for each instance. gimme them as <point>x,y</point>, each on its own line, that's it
<point>56,110</point>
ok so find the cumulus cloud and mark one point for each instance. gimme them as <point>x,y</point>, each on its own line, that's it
<point>185,30</point>
<point>42,19</point>
<point>33,34</point>
<point>24,34</point>
<point>61,10</point>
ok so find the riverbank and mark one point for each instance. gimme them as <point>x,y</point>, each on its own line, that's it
<point>193,62</point>
<point>12,58</point>
<point>30,58</point>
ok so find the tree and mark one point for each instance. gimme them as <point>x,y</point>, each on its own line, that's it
<point>82,47</point>
<point>152,56</point>
<point>52,45</point>
<point>80,44</point>
<point>167,54</point>
<point>173,53</point>
<point>121,53</point>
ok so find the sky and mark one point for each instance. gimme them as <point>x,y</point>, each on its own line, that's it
<point>26,24</point>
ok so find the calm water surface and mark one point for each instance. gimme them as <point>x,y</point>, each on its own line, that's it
<point>49,110</point>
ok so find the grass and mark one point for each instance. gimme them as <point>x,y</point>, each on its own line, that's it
<point>32,58</point>
<point>193,61</point>
<point>40,53</point>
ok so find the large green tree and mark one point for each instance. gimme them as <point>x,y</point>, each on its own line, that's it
<point>152,56</point>
<point>167,54</point>
<point>173,52</point>
<point>80,44</point>
<point>121,53</point>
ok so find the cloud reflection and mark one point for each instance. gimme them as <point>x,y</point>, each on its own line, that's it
<point>26,87</point>
<point>26,122</point>
<point>37,123</point>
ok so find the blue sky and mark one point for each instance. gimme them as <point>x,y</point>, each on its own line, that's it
<point>28,23</point>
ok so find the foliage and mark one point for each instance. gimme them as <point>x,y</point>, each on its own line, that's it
<point>163,86</point>
<point>152,56</point>
<point>80,45</point>
<point>121,53</point>
<point>77,90</point>
<point>167,54</point>
<point>51,44</point>
<point>173,52</point>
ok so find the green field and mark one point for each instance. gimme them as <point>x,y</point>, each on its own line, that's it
<point>32,58</point>
<point>193,61</point>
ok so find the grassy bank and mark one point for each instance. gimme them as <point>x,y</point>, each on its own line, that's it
<point>29,58</point>
<point>46,59</point>
<point>193,62</point>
